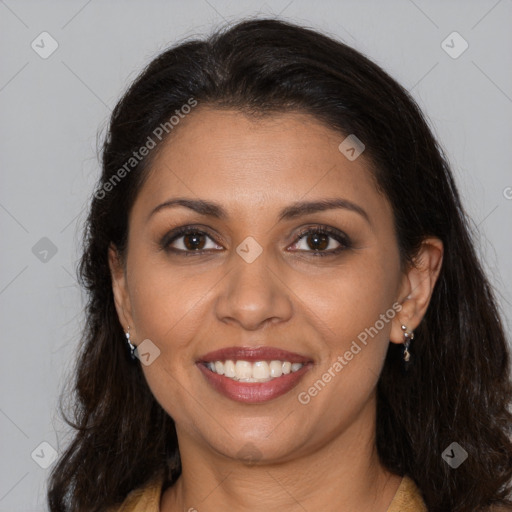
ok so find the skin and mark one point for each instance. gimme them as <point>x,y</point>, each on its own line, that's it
<point>318,456</point>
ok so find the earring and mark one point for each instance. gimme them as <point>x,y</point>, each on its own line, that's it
<point>131,347</point>
<point>408,336</point>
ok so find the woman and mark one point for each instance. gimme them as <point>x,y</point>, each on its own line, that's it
<point>286,309</point>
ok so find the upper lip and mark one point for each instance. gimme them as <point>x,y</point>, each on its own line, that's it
<point>253,354</point>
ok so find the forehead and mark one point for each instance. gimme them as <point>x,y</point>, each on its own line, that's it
<point>246,162</point>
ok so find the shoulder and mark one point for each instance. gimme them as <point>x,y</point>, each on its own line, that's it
<point>408,498</point>
<point>142,499</point>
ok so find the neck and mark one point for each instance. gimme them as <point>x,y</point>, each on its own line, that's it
<point>344,474</point>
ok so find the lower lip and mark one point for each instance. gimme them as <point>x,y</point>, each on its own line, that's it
<point>253,392</point>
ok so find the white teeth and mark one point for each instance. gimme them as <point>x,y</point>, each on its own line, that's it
<point>229,369</point>
<point>259,371</point>
<point>296,366</point>
<point>243,370</point>
<point>219,367</point>
<point>276,368</point>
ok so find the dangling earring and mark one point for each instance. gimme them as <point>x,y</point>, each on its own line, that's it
<point>408,336</point>
<point>131,347</point>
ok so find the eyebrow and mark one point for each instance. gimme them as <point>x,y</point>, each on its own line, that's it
<point>211,209</point>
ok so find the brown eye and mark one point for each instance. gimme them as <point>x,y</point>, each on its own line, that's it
<point>194,241</point>
<point>322,241</point>
<point>188,241</point>
<point>317,241</point>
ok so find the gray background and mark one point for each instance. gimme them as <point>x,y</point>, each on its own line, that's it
<point>53,109</point>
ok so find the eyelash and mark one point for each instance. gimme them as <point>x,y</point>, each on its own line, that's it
<point>337,235</point>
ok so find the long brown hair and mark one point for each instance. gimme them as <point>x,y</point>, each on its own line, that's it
<point>458,387</point>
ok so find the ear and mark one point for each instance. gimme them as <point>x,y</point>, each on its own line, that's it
<point>417,287</point>
<point>120,289</point>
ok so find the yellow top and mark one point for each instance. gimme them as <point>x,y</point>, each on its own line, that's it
<point>147,499</point>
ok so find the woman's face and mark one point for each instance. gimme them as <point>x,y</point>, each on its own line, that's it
<point>260,283</point>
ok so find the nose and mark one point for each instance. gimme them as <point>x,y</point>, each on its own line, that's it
<point>253,295</point>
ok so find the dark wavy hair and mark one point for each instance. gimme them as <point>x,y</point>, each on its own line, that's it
<point>458,387</point>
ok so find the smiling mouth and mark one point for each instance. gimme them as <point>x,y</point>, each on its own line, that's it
<point>253,374</point>
<point>247,371</point>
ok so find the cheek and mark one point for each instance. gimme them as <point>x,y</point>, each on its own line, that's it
<point>355,346</point>
<point>352,299</point>
<point>166,300</point>
<point>166,307</point>
<point>354,311</point>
